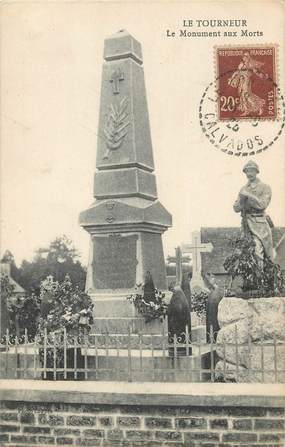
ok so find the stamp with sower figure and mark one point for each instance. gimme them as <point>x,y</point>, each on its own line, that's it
<point>246,82</point>
<point>242,111</point>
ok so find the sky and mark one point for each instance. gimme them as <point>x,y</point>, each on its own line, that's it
<point>51,62</point>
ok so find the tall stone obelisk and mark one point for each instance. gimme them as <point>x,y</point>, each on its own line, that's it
<point>126,220</point>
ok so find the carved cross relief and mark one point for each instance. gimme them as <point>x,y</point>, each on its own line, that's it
<point>116,76</point>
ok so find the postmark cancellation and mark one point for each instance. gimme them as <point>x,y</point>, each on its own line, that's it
<point>242,111</point>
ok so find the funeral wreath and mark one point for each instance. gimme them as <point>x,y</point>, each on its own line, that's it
<point>148,300</point>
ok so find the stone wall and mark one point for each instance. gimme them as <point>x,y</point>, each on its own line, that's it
<point>48,415</point>
<point>98,425</point>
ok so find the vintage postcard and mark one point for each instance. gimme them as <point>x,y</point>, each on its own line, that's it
<point>142,223</point>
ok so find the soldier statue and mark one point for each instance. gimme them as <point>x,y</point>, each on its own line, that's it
<point>252,201</point>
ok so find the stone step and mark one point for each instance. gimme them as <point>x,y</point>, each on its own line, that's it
<point>135,354</point>
<point>148,367</point>
<point>121,307</point>
<point>122,325</point>
<point>151,376</point>
<point>145,341</point>
<point>122,365</point>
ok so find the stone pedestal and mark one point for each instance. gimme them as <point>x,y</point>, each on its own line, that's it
<point>251,341</point>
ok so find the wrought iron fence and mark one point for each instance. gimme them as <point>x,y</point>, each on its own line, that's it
<point>140,357</point>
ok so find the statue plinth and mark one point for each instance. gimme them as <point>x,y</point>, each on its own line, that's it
<point>251,339</point>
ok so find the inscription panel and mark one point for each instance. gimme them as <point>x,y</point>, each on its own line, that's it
<point>115,262</point>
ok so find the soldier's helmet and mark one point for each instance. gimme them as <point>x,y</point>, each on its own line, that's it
<point>252,165</point>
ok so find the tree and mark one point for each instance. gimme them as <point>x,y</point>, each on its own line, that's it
<point>62,250</point>
<point>57,260</point>
<point>8,258</point>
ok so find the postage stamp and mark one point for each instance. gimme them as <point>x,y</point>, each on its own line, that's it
<point>242,111</point>
<point>246,82</point>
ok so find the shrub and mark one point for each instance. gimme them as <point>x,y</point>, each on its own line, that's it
<point>64,305</point>
<point>266,280</point>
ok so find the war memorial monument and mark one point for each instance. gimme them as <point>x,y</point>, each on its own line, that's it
<point>145,375</point>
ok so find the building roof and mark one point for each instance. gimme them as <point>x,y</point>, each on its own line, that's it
<point>223,240</point>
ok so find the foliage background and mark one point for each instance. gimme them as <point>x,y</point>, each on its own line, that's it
<point>58,259</point>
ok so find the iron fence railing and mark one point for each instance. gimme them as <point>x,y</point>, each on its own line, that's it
<point>140,357</point>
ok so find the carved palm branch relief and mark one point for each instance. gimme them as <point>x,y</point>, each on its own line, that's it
<point>116,125</point>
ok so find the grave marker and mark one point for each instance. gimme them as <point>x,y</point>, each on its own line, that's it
<point>196,248</point>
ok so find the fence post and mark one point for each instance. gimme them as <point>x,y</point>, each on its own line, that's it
<point>165,325</point>
<point>275,359</point>
<point>54,358</point>
<point>224,360</point>
<point>140,349</point>
<point>249,354</point>
<point>85,355</point>
<point>199,356</point>
<point>175,350</point>
<point>106,339</point>
<point>212,359</point>
<point>152,357</point>
<point>188,346</point>
<point>7,338</point>
<point>129,355</point>
<point>163,348</point>
<point>25,352</point>
<point>262,357</point>
<point>75,355</point>
<point>64,353</point>
<point>187,340</point>
<point>16,356</point>
<point>116,345</point>
<point>96,358</point>
<point>35,355</point>
<point>163,341</point>
<point>236,353</point>
<point>45,353</point>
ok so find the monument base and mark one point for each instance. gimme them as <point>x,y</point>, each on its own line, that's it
<point>114,313</point>
<point>116,304</point>
<point>116,316</point>
<point>251,341</point>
